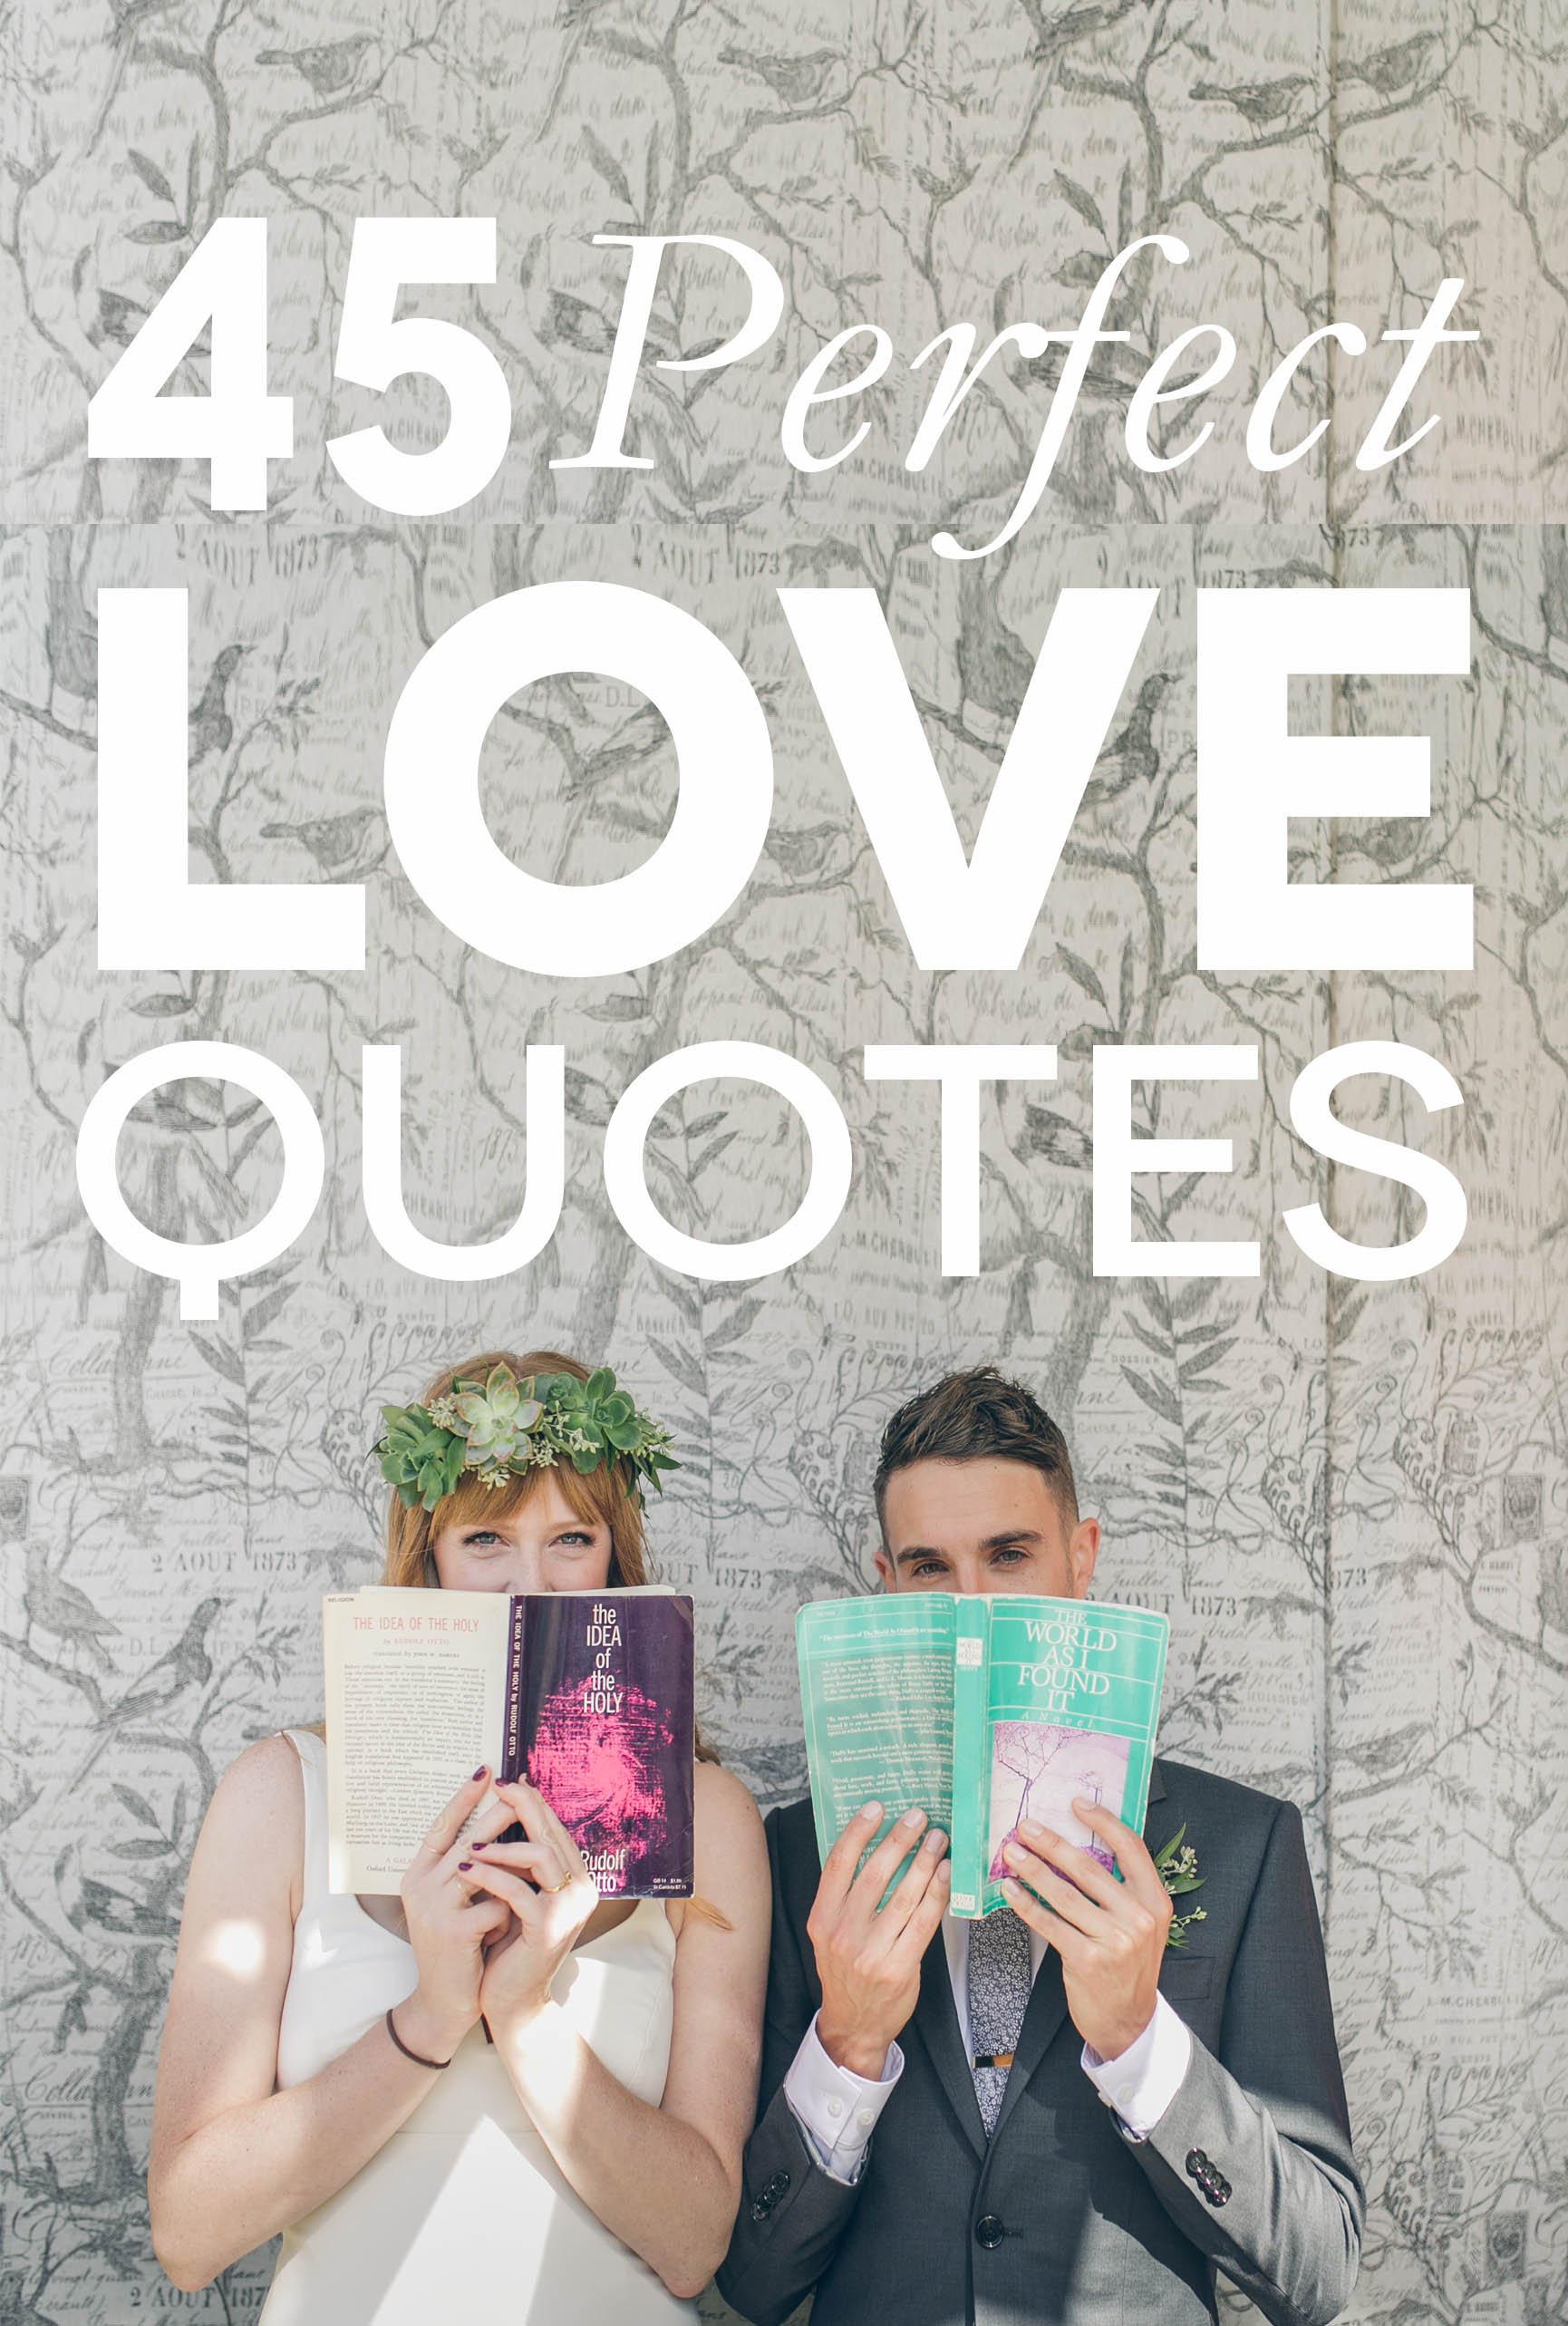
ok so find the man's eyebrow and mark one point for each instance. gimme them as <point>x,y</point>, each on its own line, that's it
<point>1016,1536</point>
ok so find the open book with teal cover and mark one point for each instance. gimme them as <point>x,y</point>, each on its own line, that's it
<point>982,1710</point>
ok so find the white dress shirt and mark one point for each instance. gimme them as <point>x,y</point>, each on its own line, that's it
<point>838,2109</point>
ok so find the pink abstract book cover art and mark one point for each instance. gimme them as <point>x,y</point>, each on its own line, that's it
<point>600,1717</point>
<point>598,1771</point>
<point>1038,1770</point>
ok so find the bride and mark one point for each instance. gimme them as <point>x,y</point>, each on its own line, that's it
<point>496,2095</point>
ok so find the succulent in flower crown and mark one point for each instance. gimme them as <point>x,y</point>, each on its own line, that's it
<point>502,1428</point>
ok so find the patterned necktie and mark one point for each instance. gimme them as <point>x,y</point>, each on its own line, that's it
<point>999,1984</point>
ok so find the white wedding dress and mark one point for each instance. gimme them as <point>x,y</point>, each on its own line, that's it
<point>463,2213</point>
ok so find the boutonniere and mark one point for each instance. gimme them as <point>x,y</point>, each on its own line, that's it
<point>1177,1867</point>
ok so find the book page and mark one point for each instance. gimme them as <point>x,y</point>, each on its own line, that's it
<point>416,1689</point>
<point>877,1693</point>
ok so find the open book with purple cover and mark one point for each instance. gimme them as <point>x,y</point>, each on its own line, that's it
<point>587,1695</point>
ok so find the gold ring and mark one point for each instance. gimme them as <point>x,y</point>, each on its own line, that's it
<point>554,1887</point>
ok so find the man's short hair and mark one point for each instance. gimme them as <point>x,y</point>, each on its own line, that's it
<point>977,1415</point>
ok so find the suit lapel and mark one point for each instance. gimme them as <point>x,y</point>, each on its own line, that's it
<point>935,2022</point>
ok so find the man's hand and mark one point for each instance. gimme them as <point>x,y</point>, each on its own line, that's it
<point>1110,1935</point>
<point>869,1962</point>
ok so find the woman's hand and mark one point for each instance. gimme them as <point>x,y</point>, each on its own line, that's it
<point>233,2158</point>
<point>665,2178</point>
<point>542,1888</point>
<point>448,1926</point>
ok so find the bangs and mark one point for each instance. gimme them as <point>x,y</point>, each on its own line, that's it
<point>599,1497</point>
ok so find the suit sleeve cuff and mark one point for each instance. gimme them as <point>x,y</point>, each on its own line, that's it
<point>1141,2084</point>
<point>836,2109</point>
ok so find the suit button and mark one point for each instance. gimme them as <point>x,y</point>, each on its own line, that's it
<point>1197,2164</point>
<point>989,2232</point>
<point>769,2194</point>
<point>1221,2194</point>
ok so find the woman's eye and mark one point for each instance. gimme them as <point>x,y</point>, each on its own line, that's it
<point>572,1542</point>
<point>480,1541</point>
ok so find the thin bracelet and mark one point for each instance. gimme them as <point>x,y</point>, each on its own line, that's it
<point>417,2057</point>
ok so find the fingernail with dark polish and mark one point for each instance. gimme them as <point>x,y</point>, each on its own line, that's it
<point>465,1865</point>
<point>483,1770</point>
<point>478,1845</point>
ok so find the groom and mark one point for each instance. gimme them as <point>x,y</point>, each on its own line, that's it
<point>1045,2114</point>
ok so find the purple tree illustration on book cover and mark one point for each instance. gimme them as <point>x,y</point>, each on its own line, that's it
<point>1038,1770</point>
<point>605,1733</point>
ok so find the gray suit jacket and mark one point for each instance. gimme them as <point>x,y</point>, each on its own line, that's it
<point>1063,2217</point>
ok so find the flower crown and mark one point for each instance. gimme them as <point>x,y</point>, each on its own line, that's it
<point>507,1427</point>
